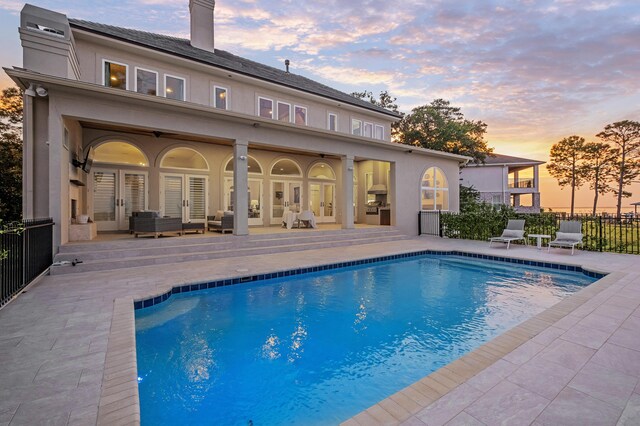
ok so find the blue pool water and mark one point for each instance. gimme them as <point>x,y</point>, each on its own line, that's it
<point>321,347</point>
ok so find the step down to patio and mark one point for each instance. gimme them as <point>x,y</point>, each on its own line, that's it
<point>129,253</point>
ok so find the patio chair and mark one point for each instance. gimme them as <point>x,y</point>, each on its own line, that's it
<point>222,221</point>
<point>150,222</point>
<point>513,232</point>
<point>569,235</point>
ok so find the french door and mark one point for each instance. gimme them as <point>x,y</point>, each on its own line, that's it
<point>117,193</point>
<point>255,199</point>
<point>322,201</point>
<point>285,195</point>
<point>184,196</point>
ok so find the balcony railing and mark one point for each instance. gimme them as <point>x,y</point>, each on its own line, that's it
<point>521,183</point>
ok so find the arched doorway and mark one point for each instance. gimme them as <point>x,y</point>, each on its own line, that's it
<point>286,188</point>
<point>118,184</point>
<point>322,192</point>
<point>184,185</point>
<point>434,190</point>
<point>255,188</point>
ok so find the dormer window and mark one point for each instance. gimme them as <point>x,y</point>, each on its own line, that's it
<point>220,97</point>
<point>174,87</point>
<point>115,74</point>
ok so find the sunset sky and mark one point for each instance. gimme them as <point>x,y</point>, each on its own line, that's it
<point>534,71</point>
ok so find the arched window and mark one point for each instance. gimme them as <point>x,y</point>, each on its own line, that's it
<point>286,167</point>
<point>434,190</point>
<point>184,158</point>
<point>322,171</point>
<point>252,165</point>
<point>118,152</point>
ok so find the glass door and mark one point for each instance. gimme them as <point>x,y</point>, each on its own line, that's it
<point>171,195</point>
<point>184,196</point>
<point>117,193</point>
<point>254,196</point>
<point>322,201</point>
<point>285,195</point>
<point>104,199</point>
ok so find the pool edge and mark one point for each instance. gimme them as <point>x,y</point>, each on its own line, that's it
<point>119,398</point>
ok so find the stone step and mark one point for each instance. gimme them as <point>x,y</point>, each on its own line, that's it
<point>147,242</point>
<point>216,244</point>
<point>108,264</point>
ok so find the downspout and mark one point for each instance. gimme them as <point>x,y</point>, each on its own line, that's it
<point>27,153</point>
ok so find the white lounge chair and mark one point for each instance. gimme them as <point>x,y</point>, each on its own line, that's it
<point>569,235</point>
<point>513,232</point>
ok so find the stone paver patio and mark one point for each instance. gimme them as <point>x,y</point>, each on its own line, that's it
<point>67,355</point>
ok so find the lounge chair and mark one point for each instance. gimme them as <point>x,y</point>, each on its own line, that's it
<point>513,232</point>
<point>569,235</point>
<point>222,221</point>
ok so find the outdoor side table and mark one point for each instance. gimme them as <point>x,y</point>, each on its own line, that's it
<point>539,238</point>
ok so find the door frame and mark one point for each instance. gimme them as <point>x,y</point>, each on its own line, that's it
<point>226,194</point>
<point>321,218</point>
<point>185,195</point>
<point>120,223</point>
<point>285,196</point>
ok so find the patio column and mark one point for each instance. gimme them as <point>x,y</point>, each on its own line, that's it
<point>536,178</point>
<point>240,185</point>
<point>347,192</point>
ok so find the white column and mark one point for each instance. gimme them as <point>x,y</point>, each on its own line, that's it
<point>347,192</point>
<point>240,188</point>
<point>58,178</point>
<point>27,158</point>
<point>393,190</point>
<point>536,178</point>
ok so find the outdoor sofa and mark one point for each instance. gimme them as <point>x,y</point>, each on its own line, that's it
<point>222,221</point>
<point>151,222</point>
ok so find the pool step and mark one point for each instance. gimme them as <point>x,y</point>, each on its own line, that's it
<point>104,259</point>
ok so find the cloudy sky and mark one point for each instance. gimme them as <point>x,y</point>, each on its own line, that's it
<point>534,71</point>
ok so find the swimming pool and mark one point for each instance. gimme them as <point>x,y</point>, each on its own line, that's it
<point>318,348</point>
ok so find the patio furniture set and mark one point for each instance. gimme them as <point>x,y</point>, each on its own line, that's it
<point>569,235</point>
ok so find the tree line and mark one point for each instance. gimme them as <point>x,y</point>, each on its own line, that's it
<point>607,166</point>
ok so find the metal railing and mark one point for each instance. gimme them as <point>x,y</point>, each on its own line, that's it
<point>602,233</point>
<point>26,251</point>
<point>521,183</point>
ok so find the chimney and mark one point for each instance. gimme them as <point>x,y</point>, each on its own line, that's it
<point>201,12</point>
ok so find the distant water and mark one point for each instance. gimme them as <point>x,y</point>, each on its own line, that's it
<point>599,210</point>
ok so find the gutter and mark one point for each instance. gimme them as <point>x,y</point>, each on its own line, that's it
<point>24,78</point>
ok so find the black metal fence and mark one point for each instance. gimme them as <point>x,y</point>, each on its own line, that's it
<point>26,251</point>
<point>603,233</point>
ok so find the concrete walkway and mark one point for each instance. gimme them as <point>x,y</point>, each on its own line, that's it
<point>584,363</point>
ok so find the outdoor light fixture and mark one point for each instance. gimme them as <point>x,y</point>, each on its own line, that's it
<point>30,91</point>
<point>242,157</point>
<point>41,91</point>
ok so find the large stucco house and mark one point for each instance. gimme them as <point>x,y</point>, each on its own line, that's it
<point>503,179</point>
<point>175,125</point>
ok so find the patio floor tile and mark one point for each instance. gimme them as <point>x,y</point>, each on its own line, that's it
<point>631,414</point>
<point>618,358</point>
<point>572,407</point>
<point>544,378</point>
<point>507,403</point>
<point>604,384</point>
<point>567,354</point>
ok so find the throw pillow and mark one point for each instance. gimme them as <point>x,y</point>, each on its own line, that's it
<point>568,236</point>
<point>511,233</point>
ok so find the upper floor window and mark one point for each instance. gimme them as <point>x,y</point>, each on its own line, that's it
<point>265,108</point>
<point>115,74</point>
<point>434,190</point>
<point>356,127</point>
<point>284,112</point>
<point>301,115</point>
<point>332,122</point>
<point>368,130</point>
<point>220,97</point>
<point>146,81</point>
<point>174,87</point>
<point>379,132</point>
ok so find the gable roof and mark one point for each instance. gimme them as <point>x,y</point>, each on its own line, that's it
<point>223,59</point>
<point>496,159</point>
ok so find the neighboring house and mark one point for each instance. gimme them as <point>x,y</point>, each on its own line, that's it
<point>175,125</point>
<point>503,179</point>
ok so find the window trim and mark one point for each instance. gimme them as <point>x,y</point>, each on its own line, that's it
<point>329,114</point>
<point>126,82</point>
<point>361,126</point>
<point>278,103</point>
<point>258,107</point>
<point>135,80</point>
<point>306,114</point>
<point>184,86</point>
<point>375,128</point>
<point>215,98</point>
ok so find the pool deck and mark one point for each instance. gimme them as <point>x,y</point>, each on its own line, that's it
<point>67,346</point>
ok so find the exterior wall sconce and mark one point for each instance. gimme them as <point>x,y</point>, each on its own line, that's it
<point>242,157</point>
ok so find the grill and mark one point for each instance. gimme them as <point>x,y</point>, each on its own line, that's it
<point>373,207</point>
